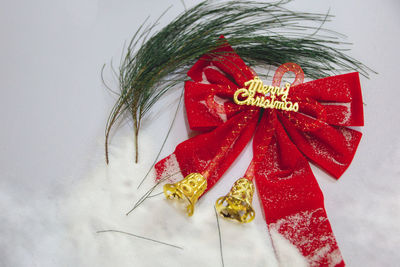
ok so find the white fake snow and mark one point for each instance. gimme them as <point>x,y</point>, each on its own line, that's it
<point>287,253</point>
<point>103,197</point>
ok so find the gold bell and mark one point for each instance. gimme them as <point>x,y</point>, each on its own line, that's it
<point>236,205</point>
<point>188,190</point>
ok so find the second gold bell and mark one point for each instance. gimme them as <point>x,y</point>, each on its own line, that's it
<point>236,205</point>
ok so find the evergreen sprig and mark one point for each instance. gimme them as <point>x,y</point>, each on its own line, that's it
<point>261,33</point>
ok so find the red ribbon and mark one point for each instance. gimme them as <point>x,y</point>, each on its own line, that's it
<point>284,143</point>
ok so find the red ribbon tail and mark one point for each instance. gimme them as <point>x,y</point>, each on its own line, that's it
<point>292,200</point>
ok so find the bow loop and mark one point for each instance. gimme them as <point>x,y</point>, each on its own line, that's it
<point>227,61</point>
<point>340,96</point>
<point>311,115</point>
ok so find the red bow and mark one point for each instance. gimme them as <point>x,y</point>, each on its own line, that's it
<point>284,142</point>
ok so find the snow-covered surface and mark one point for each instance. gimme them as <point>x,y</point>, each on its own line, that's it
<point>101,199</point>
<point>56,191</point>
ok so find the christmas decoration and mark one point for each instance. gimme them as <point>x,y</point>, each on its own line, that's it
<point>228,103</point>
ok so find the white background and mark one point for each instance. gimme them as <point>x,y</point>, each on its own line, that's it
<point>53,109</point>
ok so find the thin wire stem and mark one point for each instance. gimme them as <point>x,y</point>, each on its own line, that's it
<point>141,237</point>
<point>220,238</point>
<point>147,194</point>
<point>165,140</point>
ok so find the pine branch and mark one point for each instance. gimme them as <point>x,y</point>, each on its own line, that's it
<point>261,33</point>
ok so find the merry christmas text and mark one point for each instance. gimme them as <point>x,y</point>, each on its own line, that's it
<point>268,97</point>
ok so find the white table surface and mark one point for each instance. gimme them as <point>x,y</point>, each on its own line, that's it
<point>53,109</point>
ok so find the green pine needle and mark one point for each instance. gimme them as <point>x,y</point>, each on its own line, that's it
<point>261,33</point>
